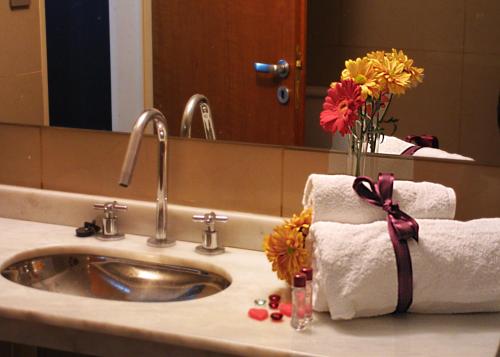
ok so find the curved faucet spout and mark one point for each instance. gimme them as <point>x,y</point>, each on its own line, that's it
<point>161,131</point>
<point>206,116</point>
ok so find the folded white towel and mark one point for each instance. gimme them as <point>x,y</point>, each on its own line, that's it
<point>395,146</point>
<point>333,199</point>
<point>456,268</point>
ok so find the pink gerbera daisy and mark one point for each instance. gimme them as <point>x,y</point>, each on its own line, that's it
<point>340,109</point>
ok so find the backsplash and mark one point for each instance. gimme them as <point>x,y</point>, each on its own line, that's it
<point>227,176</point>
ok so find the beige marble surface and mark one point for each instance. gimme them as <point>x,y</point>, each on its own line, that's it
<point>219,322</point>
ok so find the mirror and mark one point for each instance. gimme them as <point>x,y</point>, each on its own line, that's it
<point>455,42</point>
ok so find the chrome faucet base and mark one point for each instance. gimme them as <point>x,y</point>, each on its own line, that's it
<point>114,237</point>
<point>209,243</point>
<point>205,251</point>
<point>160,243</point>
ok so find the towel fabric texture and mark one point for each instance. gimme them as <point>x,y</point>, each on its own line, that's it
<point>333,199</point>
<point>456,268</point>
<point>394,146</point>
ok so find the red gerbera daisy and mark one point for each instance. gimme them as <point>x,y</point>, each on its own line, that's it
<point>340,109</point>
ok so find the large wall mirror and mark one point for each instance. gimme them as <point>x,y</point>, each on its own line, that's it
<point>96,64</point>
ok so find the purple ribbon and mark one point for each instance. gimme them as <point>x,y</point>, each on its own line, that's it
<point>425,141</point>
<point>411,150</point>
<point>400,225</point>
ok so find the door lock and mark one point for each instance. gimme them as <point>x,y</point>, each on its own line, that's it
<point>283,95</point>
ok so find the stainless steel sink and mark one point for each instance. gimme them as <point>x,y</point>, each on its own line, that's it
<point>111,278</point>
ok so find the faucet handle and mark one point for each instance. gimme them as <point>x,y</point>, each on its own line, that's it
<point>110,220</point>
<point>109,207</point>
<point>210,218</point>
<point>209,244</point>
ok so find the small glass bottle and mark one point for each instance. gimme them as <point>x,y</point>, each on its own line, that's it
<point>308,272</point>
<point>299,302</point>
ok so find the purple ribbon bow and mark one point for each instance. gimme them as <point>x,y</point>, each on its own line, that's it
<point>425,141</point>
<point>400,225</point>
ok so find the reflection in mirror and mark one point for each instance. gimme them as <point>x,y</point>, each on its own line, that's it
<point>201,102</point>
<point>453,41</point>
<point>101,75</point>
<point>215,52</point>
<point>151,45</point>
<point>78,63</point>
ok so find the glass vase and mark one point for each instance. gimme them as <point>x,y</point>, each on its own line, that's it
<point>374,143</point>
<point>357,150</point>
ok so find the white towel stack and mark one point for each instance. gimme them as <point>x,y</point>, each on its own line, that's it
<point>456,265</point>
<point>333,199</point>
<point>456,268</point>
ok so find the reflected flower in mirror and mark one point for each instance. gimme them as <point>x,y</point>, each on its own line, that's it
<point>377,77</point>
<point>340,109</point>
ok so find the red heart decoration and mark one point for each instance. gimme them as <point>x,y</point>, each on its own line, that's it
<point>258,314</point>
<point>286,309</point>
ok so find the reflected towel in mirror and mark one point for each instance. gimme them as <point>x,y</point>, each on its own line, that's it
<point>394,146</point>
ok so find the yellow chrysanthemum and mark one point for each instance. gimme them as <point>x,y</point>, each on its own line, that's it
<point>285,249</point>
<point>416,73</point>
<point>361,72</point>
<point>376,55</point>
<point>392,75</point>
<point>417,76</point>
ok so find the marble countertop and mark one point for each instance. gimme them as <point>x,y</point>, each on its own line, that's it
<point>219,322</point>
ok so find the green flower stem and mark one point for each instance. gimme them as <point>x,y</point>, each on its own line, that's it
<point>386,108</point>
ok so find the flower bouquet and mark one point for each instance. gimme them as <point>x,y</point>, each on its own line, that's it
<point>357,105</point>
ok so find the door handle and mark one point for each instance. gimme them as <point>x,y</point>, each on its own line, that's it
<point>280,69</point>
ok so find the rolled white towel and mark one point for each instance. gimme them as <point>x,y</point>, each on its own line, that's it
<point>456,268</point>
<point>332,198</point>
<point>394,146</point>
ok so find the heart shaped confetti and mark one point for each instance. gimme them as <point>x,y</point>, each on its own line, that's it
<point>258,314</point>
<point>286,309</point>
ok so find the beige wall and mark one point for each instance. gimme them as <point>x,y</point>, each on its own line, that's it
<point>219,175</point>
<point>456,41</point>
<point>21,88</point>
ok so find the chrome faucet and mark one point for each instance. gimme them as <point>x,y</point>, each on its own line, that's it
<point>206,116</point>
<point>161,132</point>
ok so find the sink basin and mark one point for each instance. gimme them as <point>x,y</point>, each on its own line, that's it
<point>111,278</point>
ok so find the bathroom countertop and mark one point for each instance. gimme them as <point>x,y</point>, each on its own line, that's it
<point>219,323</point>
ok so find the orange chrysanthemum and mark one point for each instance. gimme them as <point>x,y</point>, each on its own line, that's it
<point>285,247</point>
<point>301,222</point>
